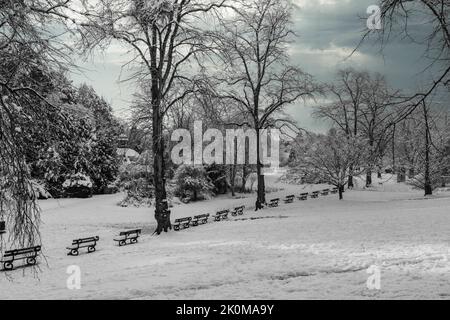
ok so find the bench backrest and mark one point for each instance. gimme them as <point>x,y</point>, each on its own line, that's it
<point>326,190</point>
<point>202,216</point>
<point>183,219</point>
<point>275,200</point>
<point>85,240</point>
<point>127,233</point>
<point>316,192</point>
<point>223,212</point>
<point>16,252</point>
<point>304,194</point>
<point>291,196</point>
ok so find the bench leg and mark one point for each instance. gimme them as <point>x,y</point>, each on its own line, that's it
<point>122,243</point>
<point>8,266</point>
<point>91,249</point>
<point>31,261</point>
<point>134,240</point>
<point>176,228</point>
<point>73,252</point>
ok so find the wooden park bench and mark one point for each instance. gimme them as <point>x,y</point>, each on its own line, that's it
<point>315,194</point>
<point>325,192</point>
<point>182,222</point>
<point>131,236</point>
<point>88,243</point>
<point>238,211</point>
<point>221,215</point>
<point>289,199</point>
<point>303,196</point>
<point>334,190</point>
<point>274,203</point>
<point>30,254</point>
<point>203,218</point>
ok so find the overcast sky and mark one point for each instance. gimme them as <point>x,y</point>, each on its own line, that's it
<point>328,31</point>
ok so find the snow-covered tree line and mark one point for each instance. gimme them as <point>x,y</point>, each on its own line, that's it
<point>371,134</point>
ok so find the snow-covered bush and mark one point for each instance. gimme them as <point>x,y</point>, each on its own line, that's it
<point>192,182</point>
<point>78,185</point>
<point>217,174</point>
<point>136,181</point>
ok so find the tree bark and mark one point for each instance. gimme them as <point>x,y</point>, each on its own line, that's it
<point>428,188</point>
<point>369,169</point>
<point>341,191</point>
<point>233,173</point>
<point>393,150</point>
<point>261,196</point>
<point>162,214</point>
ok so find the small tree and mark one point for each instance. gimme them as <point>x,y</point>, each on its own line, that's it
<point>258,76</point>
<point>192,180</point>
<point>331,156</point>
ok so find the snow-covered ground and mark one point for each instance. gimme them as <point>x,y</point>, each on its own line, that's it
<point>306,250</point>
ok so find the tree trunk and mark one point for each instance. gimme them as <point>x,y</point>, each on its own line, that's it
<point>244,178</point>
<point>261,197</point>
<point>428,188</point>
<point>162,213</point>
<point>411,173</point>
<point>369,169</point>
<point>341,191</point>
<point>393,151</point>
<point>233,173</point>
<point>232,179</point>
<point>350,178</point>
<point>368,178</point>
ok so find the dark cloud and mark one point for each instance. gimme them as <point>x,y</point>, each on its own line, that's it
<point>328,31</point>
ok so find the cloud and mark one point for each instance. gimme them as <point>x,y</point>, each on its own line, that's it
<point>327,33</point>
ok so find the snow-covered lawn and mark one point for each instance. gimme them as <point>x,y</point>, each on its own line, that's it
<point>306,250</point>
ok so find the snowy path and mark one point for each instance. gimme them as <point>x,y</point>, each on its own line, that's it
<point>305,250</point>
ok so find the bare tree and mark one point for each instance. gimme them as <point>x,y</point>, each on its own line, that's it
<point>254,45</point>
<point>426,143</point>
<point>398,17</point>
<point>348,91</point>
<point>329,157</point>
<point>164,35</point>
<point>364,106</point>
